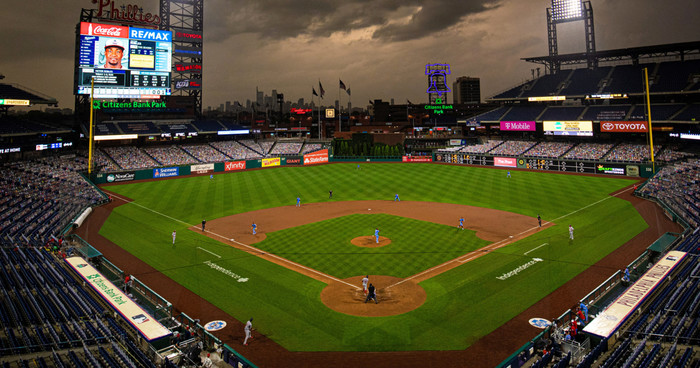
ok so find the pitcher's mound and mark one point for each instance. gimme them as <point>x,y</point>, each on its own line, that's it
<point>394,298</point>
<point>370,241</point>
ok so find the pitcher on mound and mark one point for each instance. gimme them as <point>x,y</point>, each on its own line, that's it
<point>365,281</point>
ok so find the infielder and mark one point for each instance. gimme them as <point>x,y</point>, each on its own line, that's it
<point>174,235</point>
<point>376,235</point>
<point>254,227</point>
<point>298,201</point>
<point>365,281</point>
<point>247,329</point>
<point>461,223</point>
<point>396,198</point>
<point>571,232</point>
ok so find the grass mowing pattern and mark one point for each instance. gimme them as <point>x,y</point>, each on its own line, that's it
<point>415,245</point>
<point>461,302</point>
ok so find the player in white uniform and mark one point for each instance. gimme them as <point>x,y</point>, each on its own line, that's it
<point>174,235</point>
<point>365,281</point>
<point>571,232</point>
<point>248,328</point>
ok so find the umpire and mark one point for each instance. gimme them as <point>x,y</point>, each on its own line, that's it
<point>371,294</point>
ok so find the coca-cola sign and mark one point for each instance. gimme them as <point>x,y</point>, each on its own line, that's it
<point>105,30</point>
<point>623,126</point>
<point>107,9</point>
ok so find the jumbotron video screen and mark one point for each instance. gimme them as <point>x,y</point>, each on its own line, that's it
<point>125,62</point>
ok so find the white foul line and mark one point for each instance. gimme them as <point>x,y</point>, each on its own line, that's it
<point>212,253</point>
<point>245,245</point>
<point>535,248</point>
<point>474,254</point>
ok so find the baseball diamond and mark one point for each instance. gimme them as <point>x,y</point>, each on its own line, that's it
<point>304,279</point>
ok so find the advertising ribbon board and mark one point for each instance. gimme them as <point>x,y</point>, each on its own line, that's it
<point>505,162</point>
<point>165,172</point>
<point>623,126</point>
<point>199,169</point>
<point>417,159</point>
<point>234,165</point>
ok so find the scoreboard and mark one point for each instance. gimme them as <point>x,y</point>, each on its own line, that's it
<point>544,164</point>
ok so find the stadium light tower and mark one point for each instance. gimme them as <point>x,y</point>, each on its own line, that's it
<point>563,11</point>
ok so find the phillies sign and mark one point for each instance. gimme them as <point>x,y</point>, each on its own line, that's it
<point>107,9</point>
<point>624,126</point>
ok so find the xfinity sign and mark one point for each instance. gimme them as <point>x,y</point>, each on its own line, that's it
<point>623,126</point>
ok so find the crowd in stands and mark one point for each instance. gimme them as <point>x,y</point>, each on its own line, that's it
<point>670,154</point>
<point>235,150</point>
<point>549,149</point>
<point>512,148</point>
<point>130,157</point>
<point>170,155</point>
<point>205,153</point>
<point>103,162</point>
<point>255,150</point>
<point>589,151</point>
<point>678,186</point>
<point>481,148</point>
<point>286,148</point>
<point>39,198</point>
<point>311,147</point>
<point>630,152</point>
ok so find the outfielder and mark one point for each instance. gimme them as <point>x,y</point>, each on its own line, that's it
<point>571,232</point>
<point>174,235</point>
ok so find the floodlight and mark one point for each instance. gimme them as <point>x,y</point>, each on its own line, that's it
<point>564,10</point>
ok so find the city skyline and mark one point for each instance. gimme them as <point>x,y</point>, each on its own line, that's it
<point>379,50</point>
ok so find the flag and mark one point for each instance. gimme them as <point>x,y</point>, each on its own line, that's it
<point>348,91</point>
<point>342,85</point>
<point>321,90</point>
<point>313,91</point>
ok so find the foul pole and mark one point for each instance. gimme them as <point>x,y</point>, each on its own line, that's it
<point>92,94</point>
<point>651,135</point>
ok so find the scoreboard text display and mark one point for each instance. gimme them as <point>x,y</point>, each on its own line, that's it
<point>545,164</point>
<point>125,62</point>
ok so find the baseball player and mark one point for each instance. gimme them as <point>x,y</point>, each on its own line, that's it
<point>204,223</point>
<point>174,235</point>
<point>508,174</point>
<point>298,201</point>
<point>396,198</point>
<point>254,227</point>
<point>571,232</point>
<point>539,220</point>
<point>330,194</point>
<point>371,294</point>
<point>376,235</point>
<point>365,281</point>
<point>461,223</point>
<point>248,328</point>
<point>211,176</point>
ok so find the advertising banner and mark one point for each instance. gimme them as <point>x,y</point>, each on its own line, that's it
<point>609,320</point>
<point>316,157</point>
<point>166,172</point>
<point>234,165</point>
<point>417,159</point>
<point>267,162</point>
<point>117,177</point>
<point>505,162</point>
<point>575,128</point>
<point>623,126</point>
<point>456,142</point>
<point>295,160</point>
<point>521,126</point>
<point>202,168</point>
<point>610,169</point>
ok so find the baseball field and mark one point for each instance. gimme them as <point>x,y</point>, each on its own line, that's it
<point>439,287</point>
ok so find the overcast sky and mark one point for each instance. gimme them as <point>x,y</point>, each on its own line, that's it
<point>378,48</point>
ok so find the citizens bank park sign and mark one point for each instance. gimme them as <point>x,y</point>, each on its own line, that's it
<point>623,126</point>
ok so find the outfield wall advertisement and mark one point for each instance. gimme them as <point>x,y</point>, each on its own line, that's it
<point>275,161</point>
<point>234,165</point>
<point>417,159</point>
<point>505,162</point>
<point>316,157</point>
<point>165,172</point>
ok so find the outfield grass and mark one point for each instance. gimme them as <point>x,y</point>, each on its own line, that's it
<point>461,302</point>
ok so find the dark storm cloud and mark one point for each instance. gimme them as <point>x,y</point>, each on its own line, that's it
<point>394,20</point>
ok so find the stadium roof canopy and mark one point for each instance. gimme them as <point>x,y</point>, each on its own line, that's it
<point>680,50</point>
<point>17,92</point>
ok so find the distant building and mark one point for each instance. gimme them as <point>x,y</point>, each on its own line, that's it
<point>466,90</point>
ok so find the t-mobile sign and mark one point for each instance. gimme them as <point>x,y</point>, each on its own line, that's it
<point>519,125</point>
